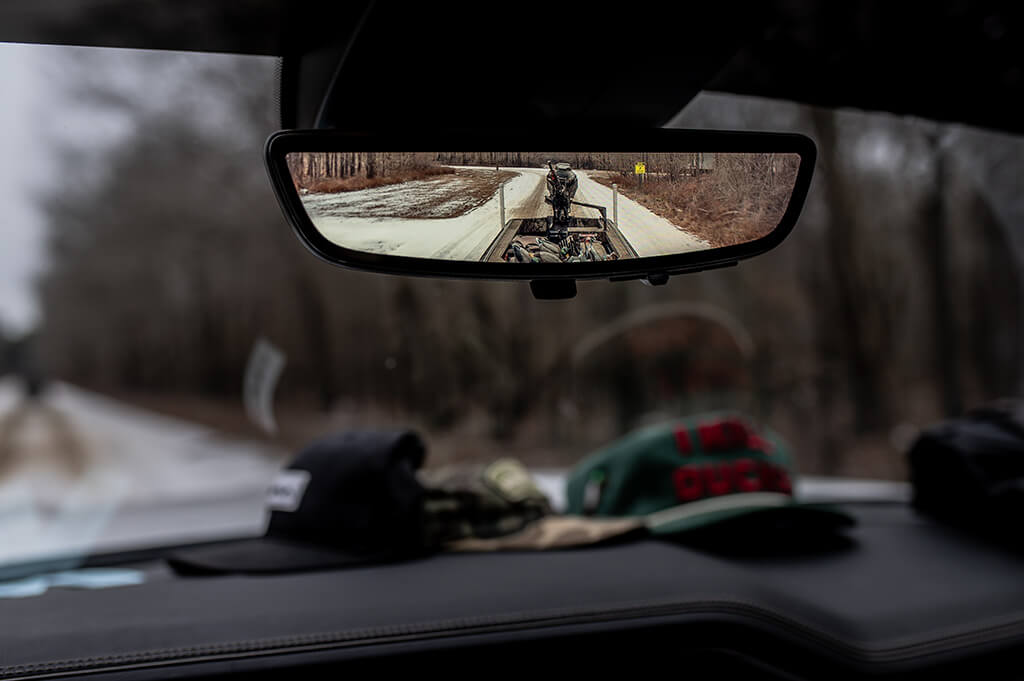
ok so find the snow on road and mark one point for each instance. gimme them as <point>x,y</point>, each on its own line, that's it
<point>79,471</point>
<point>461,238</point>
<point>467,237</point>
<point>645,231</point>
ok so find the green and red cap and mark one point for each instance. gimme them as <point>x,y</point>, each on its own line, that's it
<point>693,473</point>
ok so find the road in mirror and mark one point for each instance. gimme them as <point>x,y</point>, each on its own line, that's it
<point>549,207</point>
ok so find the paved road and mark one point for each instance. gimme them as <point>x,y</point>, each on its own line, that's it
<point>78,470</point>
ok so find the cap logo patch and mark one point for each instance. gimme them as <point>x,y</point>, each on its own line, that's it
<point>286,491</point>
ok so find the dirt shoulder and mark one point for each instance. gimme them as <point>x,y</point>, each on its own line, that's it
<point>474,189</point>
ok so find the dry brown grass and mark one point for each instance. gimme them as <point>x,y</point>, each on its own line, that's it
<point>733,204</point>
<point>356,182</point>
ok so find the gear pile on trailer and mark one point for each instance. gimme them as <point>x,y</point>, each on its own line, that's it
<point>560,236</point>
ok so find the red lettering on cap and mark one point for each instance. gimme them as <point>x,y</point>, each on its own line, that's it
<point>774,478</point>
<point>687,483</point>
<point>718,480</point>
<point>737,433</point>
<point>710,436</point>
<point>747,477</point>
<point>728,434</point>
<point>683,441</point>
<point>760,444</point>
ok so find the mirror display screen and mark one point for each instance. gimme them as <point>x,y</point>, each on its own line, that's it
<point>542,207</point>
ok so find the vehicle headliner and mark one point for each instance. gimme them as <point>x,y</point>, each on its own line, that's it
<point>945,60</point>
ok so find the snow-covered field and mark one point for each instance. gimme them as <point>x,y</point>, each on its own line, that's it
<point>465,237</point>
<point>359,220</point>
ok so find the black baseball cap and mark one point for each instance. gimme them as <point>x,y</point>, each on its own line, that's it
<point>351,498</point>
<point>968,472</point>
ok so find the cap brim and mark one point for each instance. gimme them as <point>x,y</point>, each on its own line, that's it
<point>268,555</point>
<point>753,506</point>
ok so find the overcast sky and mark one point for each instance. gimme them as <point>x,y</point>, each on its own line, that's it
<point>22,171</point>
<point>39,113</point>
<point>34,119</point>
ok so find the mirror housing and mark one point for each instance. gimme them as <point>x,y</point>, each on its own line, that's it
<point>653,269</point>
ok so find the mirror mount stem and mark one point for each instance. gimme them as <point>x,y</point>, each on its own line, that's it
<point>553,289</point>
<point>656,279</point>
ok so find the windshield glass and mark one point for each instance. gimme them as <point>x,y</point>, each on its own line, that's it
<point>167,343</point>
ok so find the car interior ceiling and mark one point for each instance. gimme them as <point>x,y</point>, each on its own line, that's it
<point>866,54</point>
<point>906,599</point>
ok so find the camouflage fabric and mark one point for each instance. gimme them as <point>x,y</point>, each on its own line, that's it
<point>480,501</point>
<point>555,532</point>
<point>498,506</point>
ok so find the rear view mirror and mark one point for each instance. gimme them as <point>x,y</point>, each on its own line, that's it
<point>648,205</point>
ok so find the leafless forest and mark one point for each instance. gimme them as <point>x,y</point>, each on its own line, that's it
<point>350,171</point>
<point>310,170</point>
<point>740,198</point>
<point>895,302</point>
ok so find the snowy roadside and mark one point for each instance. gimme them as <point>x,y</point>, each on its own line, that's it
<point>462,238</point>
<point>144,477</point>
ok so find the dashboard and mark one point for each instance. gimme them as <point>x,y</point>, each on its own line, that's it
<point>898,596</point>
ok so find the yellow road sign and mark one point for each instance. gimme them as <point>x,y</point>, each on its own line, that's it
<point>640,168</point>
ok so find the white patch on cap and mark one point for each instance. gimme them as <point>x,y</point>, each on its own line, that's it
<point>285,493</point>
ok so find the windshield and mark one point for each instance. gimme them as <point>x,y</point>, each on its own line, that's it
<point>167,343</point>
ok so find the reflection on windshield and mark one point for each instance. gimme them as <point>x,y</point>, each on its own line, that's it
<point>894,302</point>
